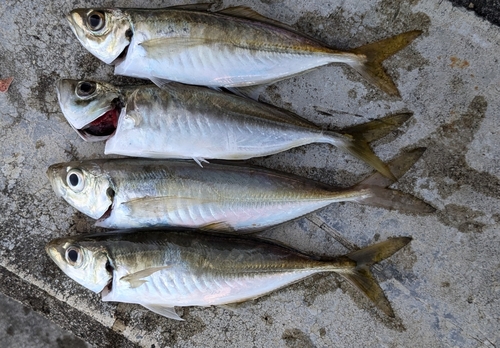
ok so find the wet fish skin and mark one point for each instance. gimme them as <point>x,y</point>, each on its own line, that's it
<point>164,269</point>
<point>135,193</point>
<point>180,121</point>
<point>234,47</point>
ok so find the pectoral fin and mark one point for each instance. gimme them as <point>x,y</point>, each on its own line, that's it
<point>136,279</point>
<point>168,312</point>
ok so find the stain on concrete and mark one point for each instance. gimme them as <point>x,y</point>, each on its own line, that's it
<point>446,165</point>
<point>458,63</point>
<point>336,30</point>
<point>70,342</point>
<point>267,319</point>
<point>294,338</point>
<point>461,217</point>
<point>87,64</point>
<point>319,284</point>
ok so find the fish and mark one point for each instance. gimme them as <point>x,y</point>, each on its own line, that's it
<point>182,121</point>
<point>161,270</point>
<point>233,48</point>
<point>225,197</point>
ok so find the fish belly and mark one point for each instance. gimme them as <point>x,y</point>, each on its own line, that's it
<point>220,64</point>
<point>233,214</point>
<point>188,289</point>
<point>181,134</point>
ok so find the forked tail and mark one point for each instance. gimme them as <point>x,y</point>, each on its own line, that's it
<point>375,53</point>
<point>379,195</point>
<point>361,276</point>
<point>355,140</point>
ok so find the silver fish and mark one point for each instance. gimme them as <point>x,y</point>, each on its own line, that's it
<point>161,270</point>
<point>234,47</point>
<point>181,121</point>
<point>134,193</point>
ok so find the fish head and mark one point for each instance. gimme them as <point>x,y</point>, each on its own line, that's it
<point>86,263</point>
<point>105,33</point>
<point>84,186</point>
<point>92,108</point>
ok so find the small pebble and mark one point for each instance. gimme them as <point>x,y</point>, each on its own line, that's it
<point>5,83</point>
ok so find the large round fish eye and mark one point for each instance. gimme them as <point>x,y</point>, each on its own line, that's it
<point>85,88</point>
<point>95,20</point>
<point>73,256</point>
<point>75,180</point>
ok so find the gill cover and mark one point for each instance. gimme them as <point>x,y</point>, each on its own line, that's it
<point>103,32</point>
<point>82,102</point>
<point>89,266</point>
<point>87,189</point>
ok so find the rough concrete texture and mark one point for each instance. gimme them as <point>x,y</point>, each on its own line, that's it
<point>444,286</point>
<point>21,327</point>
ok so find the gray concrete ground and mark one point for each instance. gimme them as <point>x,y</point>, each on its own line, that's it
<point>444,287</point>
<point>21,327</point>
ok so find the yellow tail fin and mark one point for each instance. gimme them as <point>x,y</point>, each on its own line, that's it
<point>357,138</point>
<point>361,276</point>
<point>375,53</point>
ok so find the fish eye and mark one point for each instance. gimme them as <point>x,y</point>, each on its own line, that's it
<point>73,256</point>
<point>95,20</point>
<point>75,180</point>
<point>85,88</point>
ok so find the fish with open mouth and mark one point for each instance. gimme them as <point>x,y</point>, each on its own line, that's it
<point>235,47</point>
<point>182,121</point>
<point>135,193</point>
<point>161,270</point>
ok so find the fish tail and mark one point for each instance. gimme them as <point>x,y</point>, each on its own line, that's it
<point>379,195</point>
<point>361,276</point>
<point>375,53</point>
<point>355,140</point>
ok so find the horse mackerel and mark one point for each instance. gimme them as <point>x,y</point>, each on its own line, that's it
<point>163,269</point>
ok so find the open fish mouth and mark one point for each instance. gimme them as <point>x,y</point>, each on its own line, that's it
<point>103,127</point>
<point>109,286</point>
<point>111,194</point>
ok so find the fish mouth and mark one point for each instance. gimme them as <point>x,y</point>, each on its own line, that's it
<point>121,57</point>
<point>103,127</point>
<point>104,216</point>
<point>109,286</point>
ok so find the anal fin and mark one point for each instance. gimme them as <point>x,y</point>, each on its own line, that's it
<point>168,312</point>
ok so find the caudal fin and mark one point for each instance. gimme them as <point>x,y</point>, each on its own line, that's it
<point>361,276</point>
<point>375,53</point>
<point>357,138</point>
<point>380,196</point>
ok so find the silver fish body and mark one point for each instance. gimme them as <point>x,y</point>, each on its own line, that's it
<point>181,121</point>
<point>163,269</point>
<point>234,47</point>
<point>133,193</point>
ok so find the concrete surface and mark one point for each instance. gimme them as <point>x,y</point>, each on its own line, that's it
<point>444,287</point>
<point>21,327</point>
